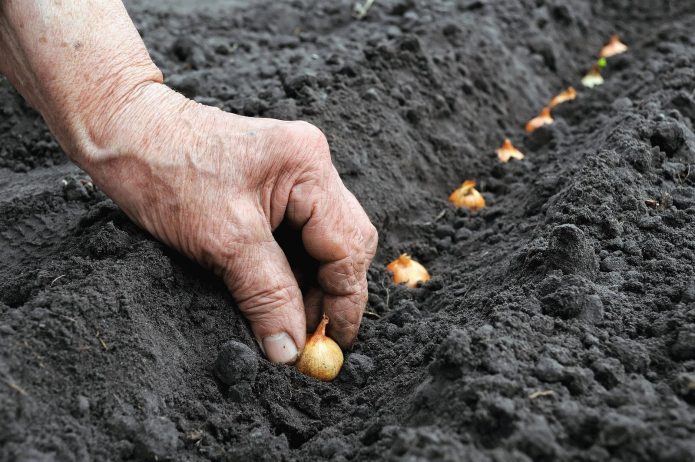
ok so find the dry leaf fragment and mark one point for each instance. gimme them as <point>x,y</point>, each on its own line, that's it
<point>407,271</point>
<point>544,118</point>
<point>508,151</point>
<point>613,47</point>
<point>593,78</point>
<point>466,196</point>
<point>567,95</point>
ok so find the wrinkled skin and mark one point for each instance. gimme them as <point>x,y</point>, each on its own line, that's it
<point>213,185</point>
<point>216,185</point>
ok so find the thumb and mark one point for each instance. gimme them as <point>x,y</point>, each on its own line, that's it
<point>262,283</point>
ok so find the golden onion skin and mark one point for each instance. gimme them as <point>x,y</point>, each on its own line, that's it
<point>544,118</point>
<point>508,151</point>
<point>407,271</point>
<point>468,197</point>
<point>321,358</point>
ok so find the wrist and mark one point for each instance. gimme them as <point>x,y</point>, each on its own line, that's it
<point>93,131</point>
<point>126,140</point>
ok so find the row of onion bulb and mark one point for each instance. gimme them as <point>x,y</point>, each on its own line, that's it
<point>407,271</point>
<point>321,357</point>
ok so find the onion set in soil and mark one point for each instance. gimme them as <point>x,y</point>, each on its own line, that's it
<point>407,271</point>
<point>467,197</point>
<point>544,118</point>
<point>321,358</point>
<point>613,47</point>
<point>567,95</point>
<point>593,78</point>
<point>508,151</point>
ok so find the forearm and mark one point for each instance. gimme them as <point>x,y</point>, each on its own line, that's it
<point>77,62</point>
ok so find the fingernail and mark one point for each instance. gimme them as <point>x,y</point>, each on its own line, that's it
<point>280,348</point>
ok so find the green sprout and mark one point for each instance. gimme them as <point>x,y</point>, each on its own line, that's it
<point>601,63</point>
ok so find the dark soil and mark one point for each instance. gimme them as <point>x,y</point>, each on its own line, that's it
<point>577,281</point>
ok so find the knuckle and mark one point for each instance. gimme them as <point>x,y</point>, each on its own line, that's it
<point>309,130</point>
<point>372,238</point>
<point>340,277</point>
<point>260,303</point>
<point>312,139</point>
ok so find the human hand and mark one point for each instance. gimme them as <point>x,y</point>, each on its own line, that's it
<point>213,185</point>
<point>216,186</point>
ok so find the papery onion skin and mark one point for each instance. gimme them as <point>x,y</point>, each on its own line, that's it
<point>614,47</point>
<point>567,95</point>
<point>466,196</point>
<point>321,358</point>
<point>508,151</point>
<point>407,271</point>
<point>544,118</point>
<point>593,78</point>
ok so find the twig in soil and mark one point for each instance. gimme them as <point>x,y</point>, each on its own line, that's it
<point>103,344</point>
<point>361,9</point>
<point>541,393</point>
<point>388,293</point>
<point>68,318</point>
<point>59,277</point>
<point>38,357</point>
<point>371,314</point>
<point>680,178</point>
<point>436,219</point>
<point>39,360</point>
<point>16,388</point>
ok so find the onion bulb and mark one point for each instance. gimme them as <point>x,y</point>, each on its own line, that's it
<point>321,358</point>
<point>467,197</point>
<point>407,271</point>
<point>593,78</point>
<point>508,151</point>
<point>567,95</point>
<point>613,47</point>
<point>544,118</point>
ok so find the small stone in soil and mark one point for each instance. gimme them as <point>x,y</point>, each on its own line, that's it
<point>357,369</point>
<point>668,136</point>
<point>156,439</point>
<point>549,370</point>
<point>236,363</point>
<point>570,251</point>
<point>608,371</point>
<point>684,347</point>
